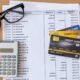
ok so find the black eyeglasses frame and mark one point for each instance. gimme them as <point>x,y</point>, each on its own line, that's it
<point>10,9</point>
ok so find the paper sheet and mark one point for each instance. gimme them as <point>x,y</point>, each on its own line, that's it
<point>35,28</point>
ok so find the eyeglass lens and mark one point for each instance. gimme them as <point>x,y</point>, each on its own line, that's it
<point>14,15</point>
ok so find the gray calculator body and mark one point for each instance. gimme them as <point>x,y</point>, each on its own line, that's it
<point>8,58</point>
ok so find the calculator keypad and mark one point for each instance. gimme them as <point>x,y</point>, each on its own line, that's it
<point>8,64</point>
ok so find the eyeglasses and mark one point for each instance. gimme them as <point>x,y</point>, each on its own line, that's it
<point>13,14</point>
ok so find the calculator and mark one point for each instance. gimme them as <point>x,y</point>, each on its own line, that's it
<point>8,58</point>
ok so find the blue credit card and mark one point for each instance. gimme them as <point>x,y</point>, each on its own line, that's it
<point>75,27</point>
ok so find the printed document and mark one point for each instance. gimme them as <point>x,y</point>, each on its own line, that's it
<point>32,33</point>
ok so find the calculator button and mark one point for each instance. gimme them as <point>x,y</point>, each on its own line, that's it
<point>13,59</point>
<point>4,72</point>
<point>4,59</point>
<point>8,70</point>
<point>0,70</point>
<point>9,66</point>
<point>4,56</point>
<point>9,63</point>
<point>1,59</point>
<point>1,66</point>
<point>0,63</point>
<point>13,71</point>
<point>13,56</point>
<point>9,56</point>
<point>9,59</point>
<point>13,63</point>
<point>13,66</point>
<point>1,73</point>
<point>4,63</point>
<point>4,67</point>
<point>8,73</point>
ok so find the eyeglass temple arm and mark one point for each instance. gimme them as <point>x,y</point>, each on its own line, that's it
<point>20,12</point>
<point>19,5</point>
<point>2,12</point>
<point>2,15</point>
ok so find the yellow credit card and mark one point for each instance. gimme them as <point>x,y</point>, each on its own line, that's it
<point>67,33</point>
<point>65,43</point>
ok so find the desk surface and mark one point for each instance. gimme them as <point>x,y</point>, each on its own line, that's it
<point>58,1</point>
<point>55,1</point>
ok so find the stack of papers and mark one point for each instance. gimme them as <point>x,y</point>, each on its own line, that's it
<point>32,33</point>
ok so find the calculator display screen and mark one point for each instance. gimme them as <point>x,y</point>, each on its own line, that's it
<point>6,50</point>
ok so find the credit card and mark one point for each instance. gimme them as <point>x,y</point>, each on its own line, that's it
<point>67,33</point>
<point>75,27</point>
<point>65,43</point>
